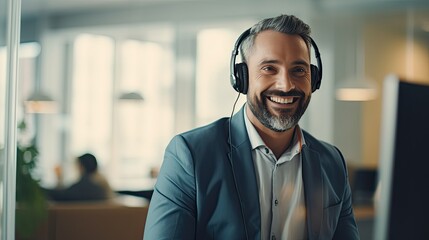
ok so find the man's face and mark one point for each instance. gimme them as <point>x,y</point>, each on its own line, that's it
<point>279,79</point>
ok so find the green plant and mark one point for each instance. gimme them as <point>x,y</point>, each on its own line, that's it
<point>30,199</point>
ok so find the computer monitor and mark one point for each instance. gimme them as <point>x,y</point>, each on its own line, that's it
<point>402,210</point>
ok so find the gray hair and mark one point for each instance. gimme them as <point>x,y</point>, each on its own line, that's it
<point>287,24</point>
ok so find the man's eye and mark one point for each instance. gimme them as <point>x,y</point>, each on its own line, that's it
<point>299,72</point>
<point>268,69</point>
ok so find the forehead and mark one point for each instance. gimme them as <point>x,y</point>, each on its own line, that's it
<point>277,45</point>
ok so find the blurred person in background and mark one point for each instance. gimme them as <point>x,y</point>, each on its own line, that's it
<point>91,186</point>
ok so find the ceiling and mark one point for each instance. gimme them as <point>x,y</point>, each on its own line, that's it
<point>76,13</point>
<point>34,7</point>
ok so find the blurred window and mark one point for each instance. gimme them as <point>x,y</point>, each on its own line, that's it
<point>214,93</point>
<point>127,135</point>
<point>91,96</point>
<point>142,127</point>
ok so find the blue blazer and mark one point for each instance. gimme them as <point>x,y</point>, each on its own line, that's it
<point>196,196</point>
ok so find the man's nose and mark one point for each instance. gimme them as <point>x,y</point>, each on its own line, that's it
<point>285,82</point>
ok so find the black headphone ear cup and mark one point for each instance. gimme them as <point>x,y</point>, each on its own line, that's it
<point>315,78</point>
<point>242,77</point>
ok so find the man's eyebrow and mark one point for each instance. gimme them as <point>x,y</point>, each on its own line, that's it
<point>274,61</point>
<point>300,62</point>
<point>269,61</point>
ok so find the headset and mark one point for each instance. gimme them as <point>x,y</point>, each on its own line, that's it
<point>239,73</point>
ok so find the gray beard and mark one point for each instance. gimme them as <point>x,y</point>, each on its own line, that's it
<point>281,123</point>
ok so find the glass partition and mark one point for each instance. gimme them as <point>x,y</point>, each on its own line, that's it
<point>9,42</point>
<point>2,107</point>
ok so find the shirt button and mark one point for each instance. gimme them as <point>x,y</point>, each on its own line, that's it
<point>276,202</point>
<point>267,151</point>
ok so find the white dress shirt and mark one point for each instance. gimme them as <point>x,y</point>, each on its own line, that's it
<point>281,189</point>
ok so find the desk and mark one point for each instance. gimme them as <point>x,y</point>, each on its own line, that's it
<point>147,194</point>
<point>107,220</point>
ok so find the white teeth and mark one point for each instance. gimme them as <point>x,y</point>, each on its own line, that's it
<point>282,100</point>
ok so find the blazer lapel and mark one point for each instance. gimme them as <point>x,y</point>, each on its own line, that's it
<point>313,191</point>
<point>243,169</point>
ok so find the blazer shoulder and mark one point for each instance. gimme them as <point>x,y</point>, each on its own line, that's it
<point>215,131</point>
<point>326,150</point>
<point>317,144</point>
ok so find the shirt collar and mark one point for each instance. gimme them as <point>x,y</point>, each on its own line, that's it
<point>256,140</point>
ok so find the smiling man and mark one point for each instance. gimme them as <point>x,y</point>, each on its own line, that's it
<point>257,175</point>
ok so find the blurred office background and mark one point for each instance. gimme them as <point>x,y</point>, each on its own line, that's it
<point>122,76</point>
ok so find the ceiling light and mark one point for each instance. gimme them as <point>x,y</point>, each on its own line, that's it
<point>363,90</point>
<point>356,94</point>
<point>358,87</point>
<point>133,96</point>
<point>39,102</point>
